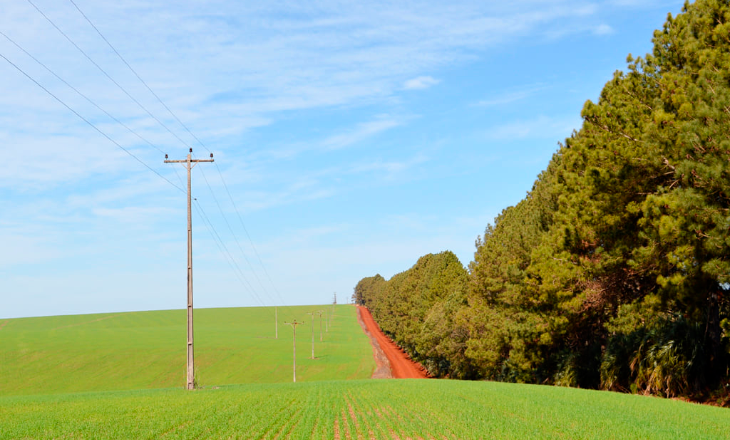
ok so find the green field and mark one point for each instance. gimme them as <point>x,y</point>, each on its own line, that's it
<point>362,409</point>
<point>122,376</point>
<point>123,351</point>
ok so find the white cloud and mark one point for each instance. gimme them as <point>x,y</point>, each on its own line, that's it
<point>638,3</point>
<point>234,72</point>
<point>603,29</point>
<point>361,132</point>
<point>390,167</point>
<point>420,82</point>
<point>228,67</point>
<point>540,127</point>
<point>510,96</point>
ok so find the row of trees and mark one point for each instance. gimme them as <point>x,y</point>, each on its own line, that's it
<point>614,270</point>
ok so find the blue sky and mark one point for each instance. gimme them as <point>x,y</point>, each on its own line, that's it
<point>354,137</point>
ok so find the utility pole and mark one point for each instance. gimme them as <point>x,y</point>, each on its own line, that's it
<point>276,320</point>
<point>189,165</point>
<point>334,303</point>
<point>320,325</point>
<point>294,327</point>
<point>326,323</point>
<point>312,315</point>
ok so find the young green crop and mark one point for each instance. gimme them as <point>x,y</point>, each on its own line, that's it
<point>121,351</point>
<point>360,409</point>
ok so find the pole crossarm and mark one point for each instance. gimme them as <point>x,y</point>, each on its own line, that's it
<point>189,164</point>
<point>191,160</point>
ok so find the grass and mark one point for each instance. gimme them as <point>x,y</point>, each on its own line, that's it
<point>121,376</point>
<point>123,351</point>
<point>360,409</point>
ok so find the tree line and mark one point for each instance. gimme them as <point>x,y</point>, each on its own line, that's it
<point>614,271</point>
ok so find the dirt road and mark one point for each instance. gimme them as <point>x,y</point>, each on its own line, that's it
<point>401,366</point>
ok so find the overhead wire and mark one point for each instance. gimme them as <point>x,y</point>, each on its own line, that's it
<point>202,172</point>
<point>199,208</point>
<point>106,74</point>
<point>89,100</point>
<point>89,122</point>
<point>224,250</point>
<point>230,229</point>
<point>157,148</point>
<point>70,40</point>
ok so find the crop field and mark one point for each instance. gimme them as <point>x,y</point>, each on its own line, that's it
<point>362,409</point>
<point>124,351</point>
<point>121,376</point>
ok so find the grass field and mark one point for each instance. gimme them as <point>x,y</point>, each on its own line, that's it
<point>121,376</point>
<point>360,409</point>
<point>123,351</point>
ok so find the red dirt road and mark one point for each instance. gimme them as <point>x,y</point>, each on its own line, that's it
<point>401,366</point>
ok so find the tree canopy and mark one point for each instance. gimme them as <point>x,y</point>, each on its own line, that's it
<point>613,271</point>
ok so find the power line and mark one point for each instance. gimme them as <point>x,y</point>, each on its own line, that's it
<point>89,100</point>
<point>122,89</point>
<point>177,137</point>
<point>240,219</point>
<point>106,74</point>
<point>209,225</point>
<point>226,253</point>
<point>204,146</point>
<point>123,125</point>
<point>132,69</point>
<point>235,237</point>
<point>90,124</point>
<point>229,257</point>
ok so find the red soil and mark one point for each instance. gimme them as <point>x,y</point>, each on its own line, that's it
<point>401,366</point>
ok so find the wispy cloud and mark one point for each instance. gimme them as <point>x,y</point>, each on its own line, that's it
<point>420,82</point>
<point>510,96</point>
<point>603,29</point>
<point>233,67</point>
<point>390,167</point>
<point>363,131</point>
<point>540,127</point>
<point>261,83</point>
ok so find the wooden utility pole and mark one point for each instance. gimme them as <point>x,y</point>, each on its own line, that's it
<point>326,323</point>
<point>294,327</point>
<point>334,303</point>
<point>312,315</point>
<point>189,165</point>
<point>276,319</point>
<point>320,324</point>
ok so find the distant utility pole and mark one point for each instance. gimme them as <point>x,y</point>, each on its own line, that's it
<point>326,324</point>
<point>312,315</point>
<point>189,165</point>
<point>334,303</point>
<point>294,327</point>
<point>319,312</point>
<point>276,320</point>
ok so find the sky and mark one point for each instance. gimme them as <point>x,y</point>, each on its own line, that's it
<point>349,137</point>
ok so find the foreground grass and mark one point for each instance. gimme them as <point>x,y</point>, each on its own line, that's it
<point>360,409</point>
<point>122,351</point>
